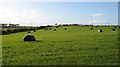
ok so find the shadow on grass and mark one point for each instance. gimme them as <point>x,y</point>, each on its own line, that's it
<point>33,41</point>
<point>38,41</point>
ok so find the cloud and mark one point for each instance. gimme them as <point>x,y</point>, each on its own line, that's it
<point>98,22</point>
<point>28,17</point>
<point>98,15</point>
<point>23,16</point>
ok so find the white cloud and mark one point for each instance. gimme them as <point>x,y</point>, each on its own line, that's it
<point>23,17</point>
<point>98,15</point>
<point>98,22</point>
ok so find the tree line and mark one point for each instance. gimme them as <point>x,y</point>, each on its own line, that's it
<point>21,29</point>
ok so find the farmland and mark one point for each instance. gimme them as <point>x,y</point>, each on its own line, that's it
<point>75,46</point>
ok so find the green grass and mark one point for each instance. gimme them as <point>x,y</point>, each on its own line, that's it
<point>7,28</point>
<point>75,46</point>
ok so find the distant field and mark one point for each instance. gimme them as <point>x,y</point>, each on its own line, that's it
<point>75,46</point>
<point>7,28</point>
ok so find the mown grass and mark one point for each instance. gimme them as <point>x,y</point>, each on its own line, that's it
<point>75,46</point>
<point>7,28</point>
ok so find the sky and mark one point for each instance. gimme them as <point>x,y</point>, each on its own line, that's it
<point>49,13</point>
<point>59,0</point>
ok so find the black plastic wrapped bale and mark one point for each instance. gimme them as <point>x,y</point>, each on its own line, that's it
<point>54,29</point>
<point>100,30</point>
<point>29,38</point>
<point>113,29</point>
<point>65,28</point>
<point>91,28</point>
<point>28,31</point>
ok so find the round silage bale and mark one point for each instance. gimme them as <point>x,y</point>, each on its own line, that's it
<point>29,38</point>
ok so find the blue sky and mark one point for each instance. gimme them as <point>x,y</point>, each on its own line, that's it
<point>44,13</point>
<point>59,0</point>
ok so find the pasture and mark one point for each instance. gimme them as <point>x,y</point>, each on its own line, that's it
<point>74,46</point>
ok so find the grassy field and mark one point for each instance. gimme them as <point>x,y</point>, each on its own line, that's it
<point>75,46</point>
<point>7,28</point>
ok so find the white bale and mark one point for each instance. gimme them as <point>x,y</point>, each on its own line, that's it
<point>100,30</point>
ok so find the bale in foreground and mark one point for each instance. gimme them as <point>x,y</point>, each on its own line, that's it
<point>29,38</point>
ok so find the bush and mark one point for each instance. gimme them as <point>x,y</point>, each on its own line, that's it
<point>8,31</point>
<point>3,32</point>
